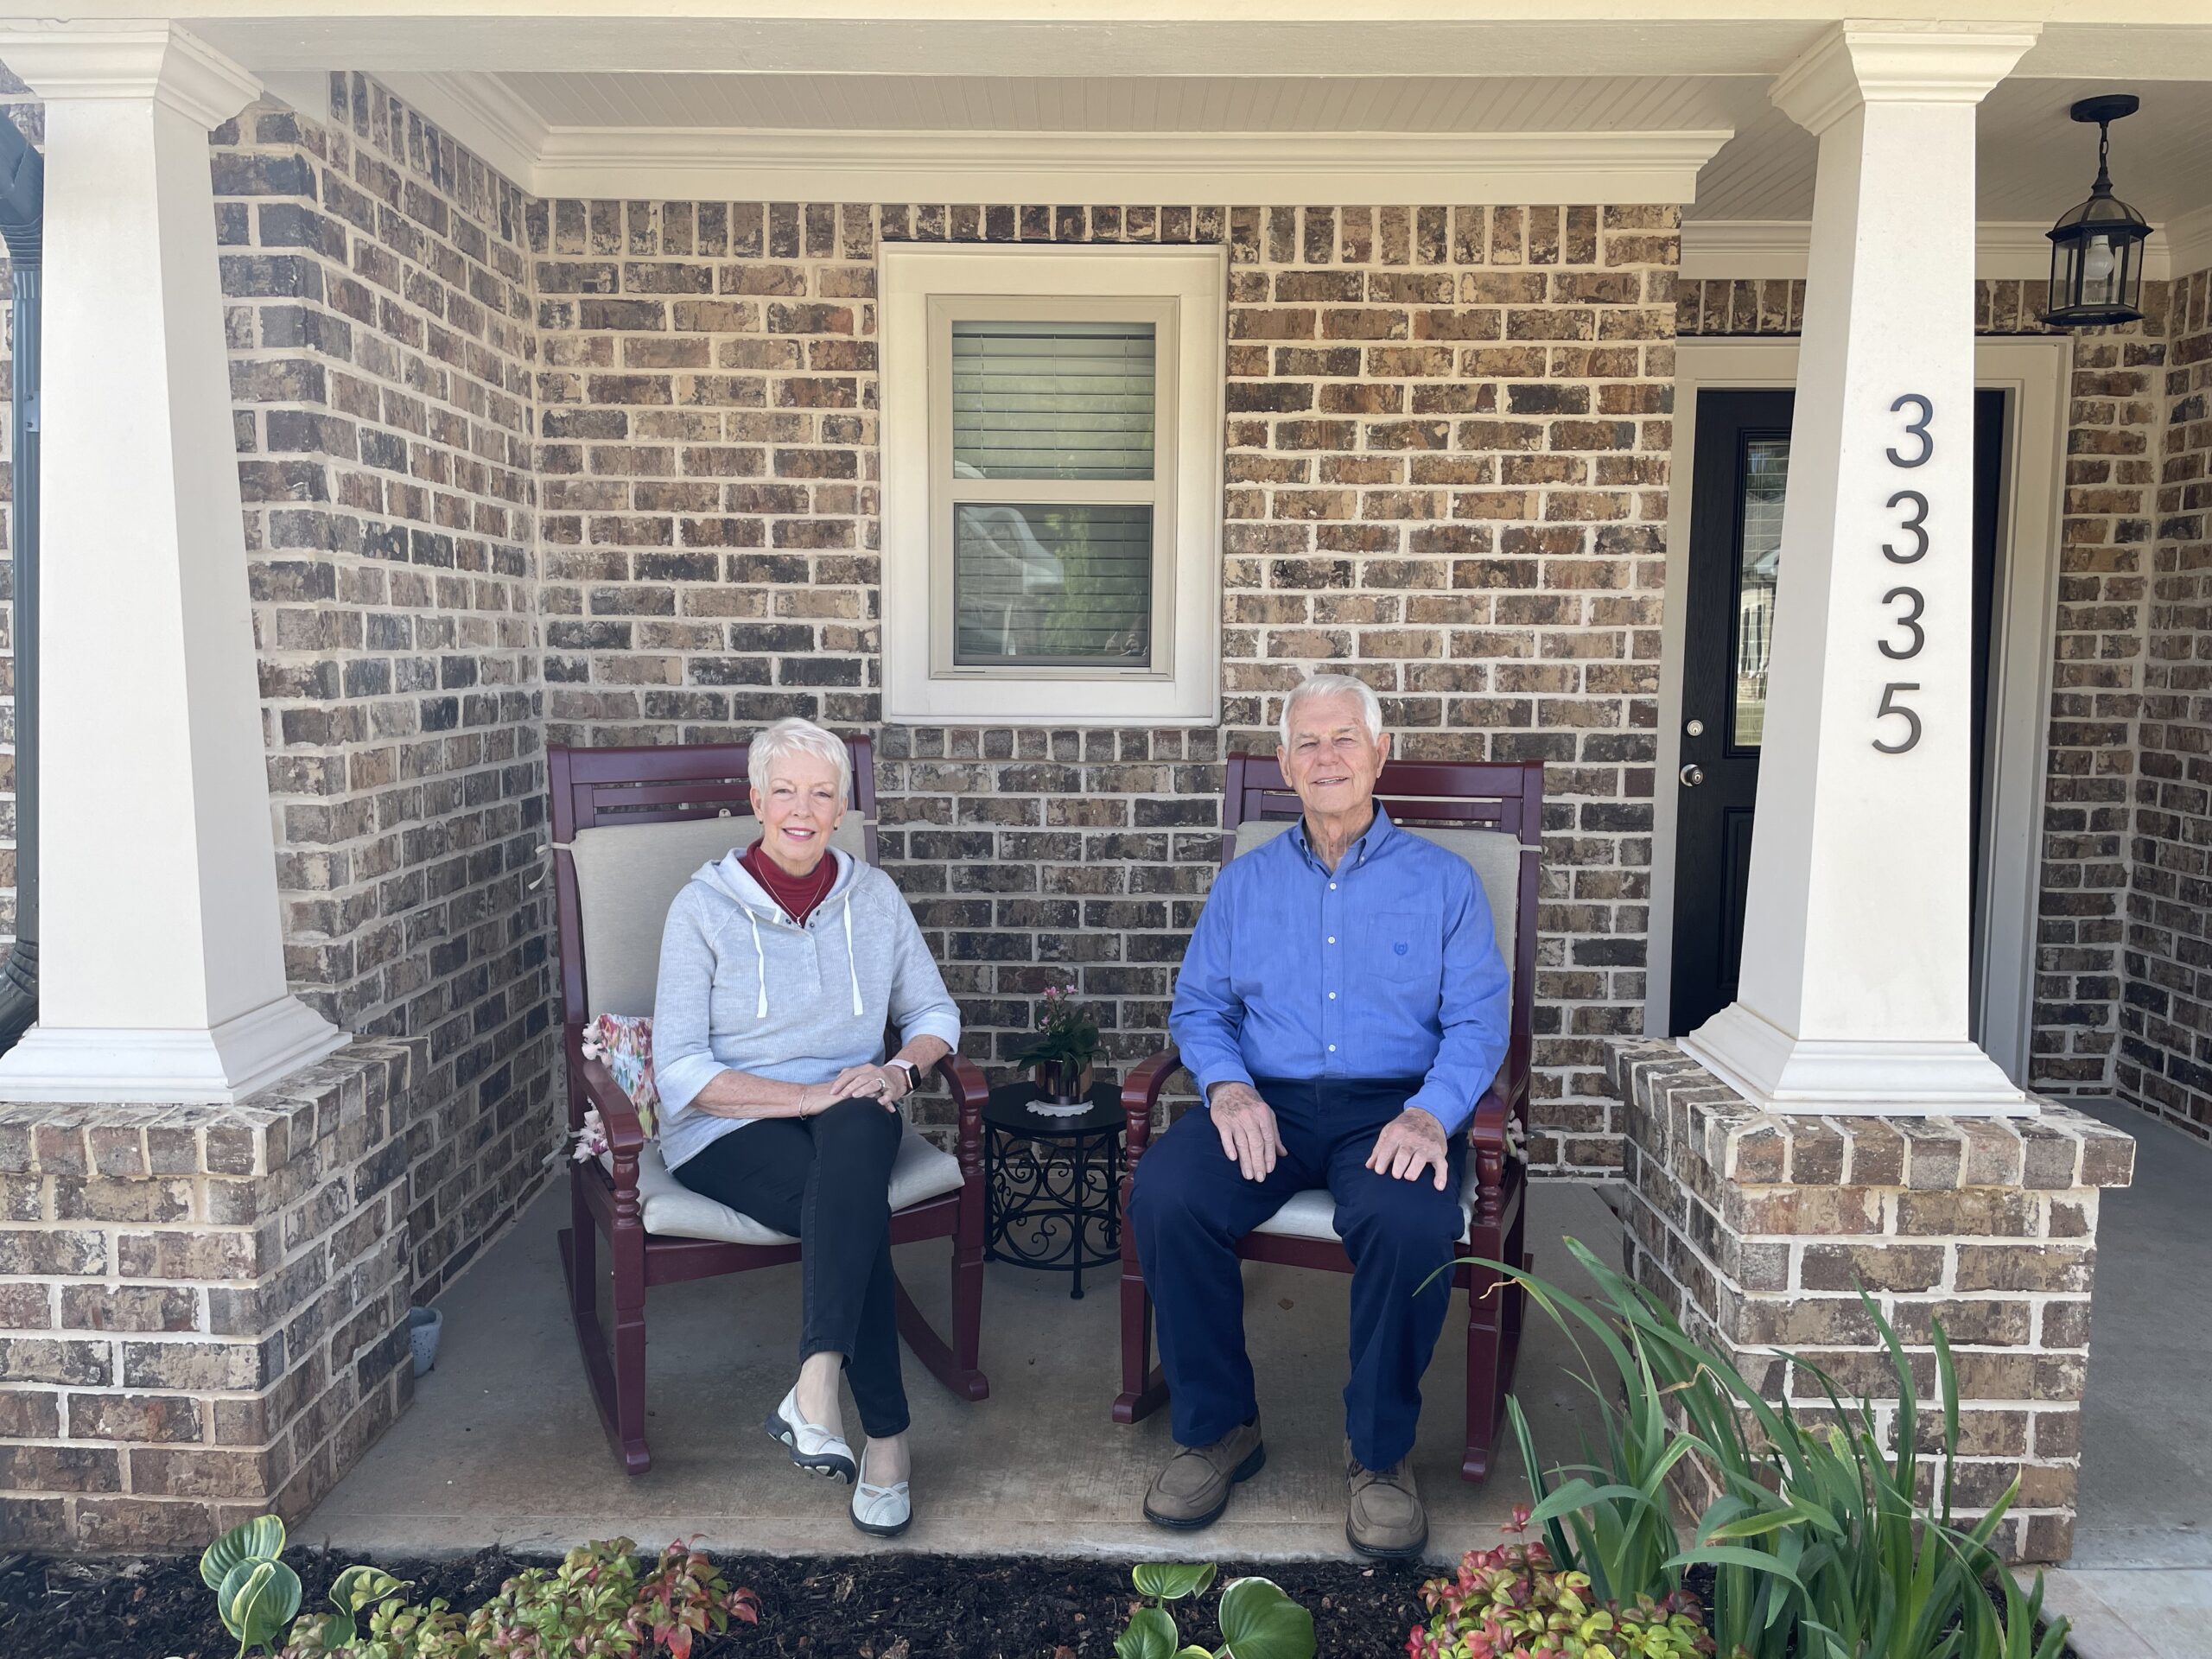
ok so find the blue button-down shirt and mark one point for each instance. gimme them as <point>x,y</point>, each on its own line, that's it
<point>1386,967</point>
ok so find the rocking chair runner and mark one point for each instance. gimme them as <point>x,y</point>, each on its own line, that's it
<point>629,828</point>
<point>1492,815</point>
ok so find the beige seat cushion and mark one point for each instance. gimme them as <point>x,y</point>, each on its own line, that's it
<point>1497,860</point>
<point>674,1211</point>
<point>628,874</point>
<point>1312,1214</point>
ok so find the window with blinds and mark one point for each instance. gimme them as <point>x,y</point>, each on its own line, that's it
<point>1051,469</point>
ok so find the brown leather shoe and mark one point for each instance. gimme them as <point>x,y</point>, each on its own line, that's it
<point>1192,1490</point>
<point>1384,1517</point>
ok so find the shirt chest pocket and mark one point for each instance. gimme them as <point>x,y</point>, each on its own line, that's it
<point>1402,944</point>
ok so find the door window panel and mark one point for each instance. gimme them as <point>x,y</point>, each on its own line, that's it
<point>1758,555</point>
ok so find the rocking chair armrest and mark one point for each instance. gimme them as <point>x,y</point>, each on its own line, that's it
<point>618,1112</point>
<point>1488,1135</point>
<point>971,1091</point>
<point>1498,1105</point>
<point>1141,1092</point>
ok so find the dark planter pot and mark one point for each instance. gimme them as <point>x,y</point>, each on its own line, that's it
<point>1055,1083</point>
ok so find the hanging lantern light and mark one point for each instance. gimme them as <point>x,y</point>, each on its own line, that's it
<point>2096,249</point>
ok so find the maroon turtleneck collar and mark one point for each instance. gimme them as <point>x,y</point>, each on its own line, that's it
<point>799,895</point>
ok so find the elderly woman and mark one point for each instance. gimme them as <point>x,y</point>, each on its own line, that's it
<point>779,968</point>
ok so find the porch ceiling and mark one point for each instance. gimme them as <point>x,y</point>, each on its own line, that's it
<point>878,98</point>
<point>2031,161</point>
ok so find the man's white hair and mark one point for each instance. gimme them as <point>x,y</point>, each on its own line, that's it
<point>797,736</point>
<point>1334,685</point>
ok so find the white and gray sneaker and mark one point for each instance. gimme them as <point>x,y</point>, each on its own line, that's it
<point>813,1448</point>
<point>881,1511</point>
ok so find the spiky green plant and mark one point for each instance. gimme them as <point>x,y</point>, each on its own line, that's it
<point>1820,1544</point>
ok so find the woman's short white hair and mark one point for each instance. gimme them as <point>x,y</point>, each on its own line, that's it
<point>797,736</point>
<point>1335,686</point>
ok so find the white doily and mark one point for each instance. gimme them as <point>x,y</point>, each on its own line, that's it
<point>1055,1109</point>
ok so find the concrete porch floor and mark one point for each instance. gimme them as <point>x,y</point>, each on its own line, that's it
<point>503,1445</point>
<point>2139,1584</point>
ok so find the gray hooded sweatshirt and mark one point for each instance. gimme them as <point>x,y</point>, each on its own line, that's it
<point>742,988</point>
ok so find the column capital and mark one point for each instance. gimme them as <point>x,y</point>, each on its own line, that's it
<point>1857,63</point>
<point>155,61</point>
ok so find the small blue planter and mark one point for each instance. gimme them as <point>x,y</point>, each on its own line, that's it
<point>424,1325</point>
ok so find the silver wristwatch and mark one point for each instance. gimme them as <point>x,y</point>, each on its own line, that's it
<point>913,1075</point>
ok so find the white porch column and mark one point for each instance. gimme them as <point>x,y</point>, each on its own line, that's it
<point>1853,990</point>
<point>162,973</point>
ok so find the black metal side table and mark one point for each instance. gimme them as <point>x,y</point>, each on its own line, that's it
<point>1053,1186</point>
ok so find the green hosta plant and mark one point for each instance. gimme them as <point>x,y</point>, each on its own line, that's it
<point>257,1596</point>
<point>1257,1620</point>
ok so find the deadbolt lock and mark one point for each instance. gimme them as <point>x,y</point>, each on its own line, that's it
<point>1695,728</point>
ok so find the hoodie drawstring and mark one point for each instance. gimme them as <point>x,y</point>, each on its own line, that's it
<point>761,958</point>
<point>852,968</point>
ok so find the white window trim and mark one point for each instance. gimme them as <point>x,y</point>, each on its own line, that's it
<point>1183,686</point>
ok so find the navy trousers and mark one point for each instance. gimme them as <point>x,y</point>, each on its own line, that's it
<point>1191,1205</point>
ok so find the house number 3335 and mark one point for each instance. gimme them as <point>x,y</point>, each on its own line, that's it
<point>1916,445</point>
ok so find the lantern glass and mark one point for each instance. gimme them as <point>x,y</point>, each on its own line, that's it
<point>2096,248</point>
<point>2097,268</point>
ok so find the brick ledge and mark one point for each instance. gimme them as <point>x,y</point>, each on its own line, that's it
<point>2058,1149</point>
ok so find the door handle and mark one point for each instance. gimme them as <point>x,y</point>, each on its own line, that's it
<point>1693,776</point>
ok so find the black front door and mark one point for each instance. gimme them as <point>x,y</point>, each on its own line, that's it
<point>1740,475</point>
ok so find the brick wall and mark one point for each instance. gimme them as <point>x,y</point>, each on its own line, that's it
<point>2099,648</point>
<point>1446,465</point>
<point>1758,1230</point>
<point>202,1309</point>
<point>383,356</point>
<point>2165,1057</point>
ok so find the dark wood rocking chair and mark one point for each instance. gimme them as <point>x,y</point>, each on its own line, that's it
<point>1503,805</point>
<point>629,827</point>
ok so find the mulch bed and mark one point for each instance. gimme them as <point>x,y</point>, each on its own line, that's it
<point>836,1607</point>
<point>872,1607</point>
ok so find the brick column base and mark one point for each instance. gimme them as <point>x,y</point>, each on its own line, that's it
<point>1757,1230</point>
<point>203,1309</point>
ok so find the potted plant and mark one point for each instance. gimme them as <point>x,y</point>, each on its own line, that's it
<point>1067,1042</point>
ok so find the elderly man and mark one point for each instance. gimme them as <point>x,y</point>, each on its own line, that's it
<point>1342,1006</point>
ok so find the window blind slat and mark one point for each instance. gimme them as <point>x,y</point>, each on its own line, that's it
<point>1057,585</point>
<point>1040,400</point>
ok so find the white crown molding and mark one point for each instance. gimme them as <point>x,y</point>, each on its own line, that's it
<point>1748,249</point>
<point>157,61</point>
<point>484,115</point>
<point>2189,243</point>
<point>481,113</point>
<point>307,91</point>
<point>1855,64</point>
<point>865,166</point>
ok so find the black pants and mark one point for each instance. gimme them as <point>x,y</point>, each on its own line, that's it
<point>826,1179</point>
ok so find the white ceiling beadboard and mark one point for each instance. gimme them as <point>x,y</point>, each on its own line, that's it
<point>2032,163</point>
<point>1342,136</point>
<point>1141,104</point>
